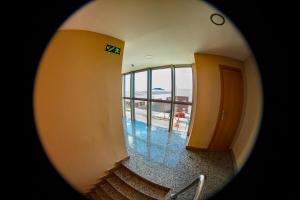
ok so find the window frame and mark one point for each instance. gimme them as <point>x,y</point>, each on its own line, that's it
<point>149,99</point>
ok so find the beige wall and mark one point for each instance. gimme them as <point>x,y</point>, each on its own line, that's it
<point>208,96</point>
<point>77,106</point>
<point>207,101</point>
<point>245,138</point>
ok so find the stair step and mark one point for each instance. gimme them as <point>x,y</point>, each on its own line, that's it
<point>102,194</point>
<point>147,180</point>
<point>140,184</point>
<point>89,196</point>
<point>94,196</point>
<point>112,192</point>
<point>127,190</point>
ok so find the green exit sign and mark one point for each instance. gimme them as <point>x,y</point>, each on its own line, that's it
<point>112,49</point>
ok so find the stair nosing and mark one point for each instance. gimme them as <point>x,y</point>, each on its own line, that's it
<point>106,182</point>
<point>131,188</point>
<point>98,189</point>
<point>164,188</point>
<point>96,195</point>
<point>139,190</point>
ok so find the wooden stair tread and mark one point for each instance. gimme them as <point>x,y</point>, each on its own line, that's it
<point>126,190</point>
<point>140,184</point>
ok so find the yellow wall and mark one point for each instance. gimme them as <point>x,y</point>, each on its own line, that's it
<point>208,96</point>
<point>246,137</point>
<point>77,105</point>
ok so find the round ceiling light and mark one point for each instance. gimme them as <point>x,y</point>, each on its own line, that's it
<point>148,56</point>
<point>217,19</point>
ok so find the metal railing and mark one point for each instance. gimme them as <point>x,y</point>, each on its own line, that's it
<point>199,180</point>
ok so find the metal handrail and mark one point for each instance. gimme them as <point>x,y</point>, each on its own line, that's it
<point>199,188</point>
<point>200,180</point>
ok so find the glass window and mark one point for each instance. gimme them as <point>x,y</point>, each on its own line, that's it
<point>161,84</point>
<point>161,99</point>
<point>160,114</point>
<point>181,118</point>
<point>127,109</point>
<point>140,109</point>
<point>123,108</point>
<point>183,84</point>
<point>127,85</point>
<point>140,84</point>
<point>123,85</point>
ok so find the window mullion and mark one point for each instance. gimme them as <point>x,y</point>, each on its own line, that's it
<point>149,96</point>
<point>132,96</point>
<point>123,95</point>
<point>172,97</point>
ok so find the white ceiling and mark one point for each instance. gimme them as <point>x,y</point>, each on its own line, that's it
<point>169,30</point>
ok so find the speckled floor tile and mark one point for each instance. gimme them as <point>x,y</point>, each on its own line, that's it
<point>126,190</point>
<point>102,194</point>
<point>161,157</point>
<point>112,192</point>
<point>140,184</point>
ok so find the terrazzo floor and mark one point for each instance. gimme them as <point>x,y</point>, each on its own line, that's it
<point>161,157</point>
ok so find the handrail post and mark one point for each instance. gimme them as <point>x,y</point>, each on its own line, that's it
<point>199,188</point>
<point>200,180</point>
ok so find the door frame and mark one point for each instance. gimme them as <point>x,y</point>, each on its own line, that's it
<point>222,101</point>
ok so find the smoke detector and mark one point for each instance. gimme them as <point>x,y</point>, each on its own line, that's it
<point>217,19</point>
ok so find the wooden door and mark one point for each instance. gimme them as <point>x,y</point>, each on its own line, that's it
<point>230,108</point>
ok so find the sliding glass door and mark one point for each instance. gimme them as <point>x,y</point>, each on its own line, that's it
<point>161,97</point>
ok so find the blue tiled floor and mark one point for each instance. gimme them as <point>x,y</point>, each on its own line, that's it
<point>161,157</point>
<point>154,144</point>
